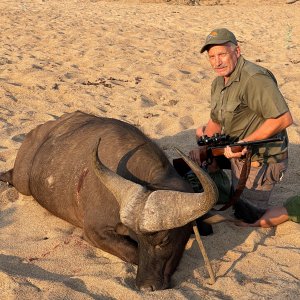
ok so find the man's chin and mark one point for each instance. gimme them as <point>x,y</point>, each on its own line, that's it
<point>221,72</point>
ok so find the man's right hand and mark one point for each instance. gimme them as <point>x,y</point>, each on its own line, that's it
<point>199,155</point>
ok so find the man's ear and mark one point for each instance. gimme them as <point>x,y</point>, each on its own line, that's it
<point>238,51</point>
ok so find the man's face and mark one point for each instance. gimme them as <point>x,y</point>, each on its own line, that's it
<point>223,58</point>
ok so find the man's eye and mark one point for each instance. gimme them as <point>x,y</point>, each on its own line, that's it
<point>220,55</point>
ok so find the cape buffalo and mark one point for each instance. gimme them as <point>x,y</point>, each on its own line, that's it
<point>123,192</point>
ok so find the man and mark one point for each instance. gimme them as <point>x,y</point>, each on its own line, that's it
<point>247,105</point>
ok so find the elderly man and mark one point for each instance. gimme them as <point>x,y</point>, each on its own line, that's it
<point>247,105</point>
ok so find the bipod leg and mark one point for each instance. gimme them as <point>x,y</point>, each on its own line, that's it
<point>204,254</point>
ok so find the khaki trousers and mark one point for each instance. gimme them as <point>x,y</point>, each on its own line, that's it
<point>260,182</point>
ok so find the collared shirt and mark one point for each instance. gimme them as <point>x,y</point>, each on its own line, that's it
<point>249,98</point>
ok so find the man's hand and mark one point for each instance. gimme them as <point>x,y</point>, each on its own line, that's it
<point>198,155</point>
<point>229,154</point>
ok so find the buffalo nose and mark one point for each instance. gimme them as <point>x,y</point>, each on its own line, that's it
<point>147,288</point>
<point>150,287</point>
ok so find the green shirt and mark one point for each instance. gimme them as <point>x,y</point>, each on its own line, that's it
<point>250,97</point>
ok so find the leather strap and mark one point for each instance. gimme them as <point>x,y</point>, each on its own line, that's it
<point>241,183</point>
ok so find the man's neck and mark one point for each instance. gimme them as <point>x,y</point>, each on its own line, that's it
<point>226,79</point>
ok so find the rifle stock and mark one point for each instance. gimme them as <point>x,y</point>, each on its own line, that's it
<point>220,151</point>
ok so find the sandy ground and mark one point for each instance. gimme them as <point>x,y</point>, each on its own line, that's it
<point>138,62</point>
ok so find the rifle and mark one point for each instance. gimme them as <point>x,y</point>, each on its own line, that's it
<point>213,151</point>
<point>214,146</point>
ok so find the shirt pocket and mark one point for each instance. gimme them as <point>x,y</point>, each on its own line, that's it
<point>231,109</point>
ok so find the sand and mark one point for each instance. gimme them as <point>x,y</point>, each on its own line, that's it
<point>138,62</point>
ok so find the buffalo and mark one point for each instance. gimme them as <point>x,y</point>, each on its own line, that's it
<point>110,179</point>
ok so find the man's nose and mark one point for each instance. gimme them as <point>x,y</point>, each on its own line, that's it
<point>218,61</point>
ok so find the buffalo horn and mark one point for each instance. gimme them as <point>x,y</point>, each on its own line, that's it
<point>170,209</point>
<point>130,196</point>
<point>145,211</point>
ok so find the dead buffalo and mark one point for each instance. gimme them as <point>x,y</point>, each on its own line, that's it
<point>132,203</point>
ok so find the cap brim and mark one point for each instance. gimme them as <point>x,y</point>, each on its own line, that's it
<point>220,42</point>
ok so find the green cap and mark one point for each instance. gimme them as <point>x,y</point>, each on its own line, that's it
<point>218,37</point>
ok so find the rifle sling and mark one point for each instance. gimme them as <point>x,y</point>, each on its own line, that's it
<point>241,183</point>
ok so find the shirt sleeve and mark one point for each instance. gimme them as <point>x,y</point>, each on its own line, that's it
<point>263,97</point>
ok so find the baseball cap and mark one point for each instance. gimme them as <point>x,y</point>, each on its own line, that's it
<point>219,36</point>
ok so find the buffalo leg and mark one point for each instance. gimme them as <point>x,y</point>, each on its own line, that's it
<point>111,242</point>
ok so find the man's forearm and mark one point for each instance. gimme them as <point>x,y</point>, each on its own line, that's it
<point>270,127</point>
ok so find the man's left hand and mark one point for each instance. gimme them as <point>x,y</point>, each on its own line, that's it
<point>229,154</point>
